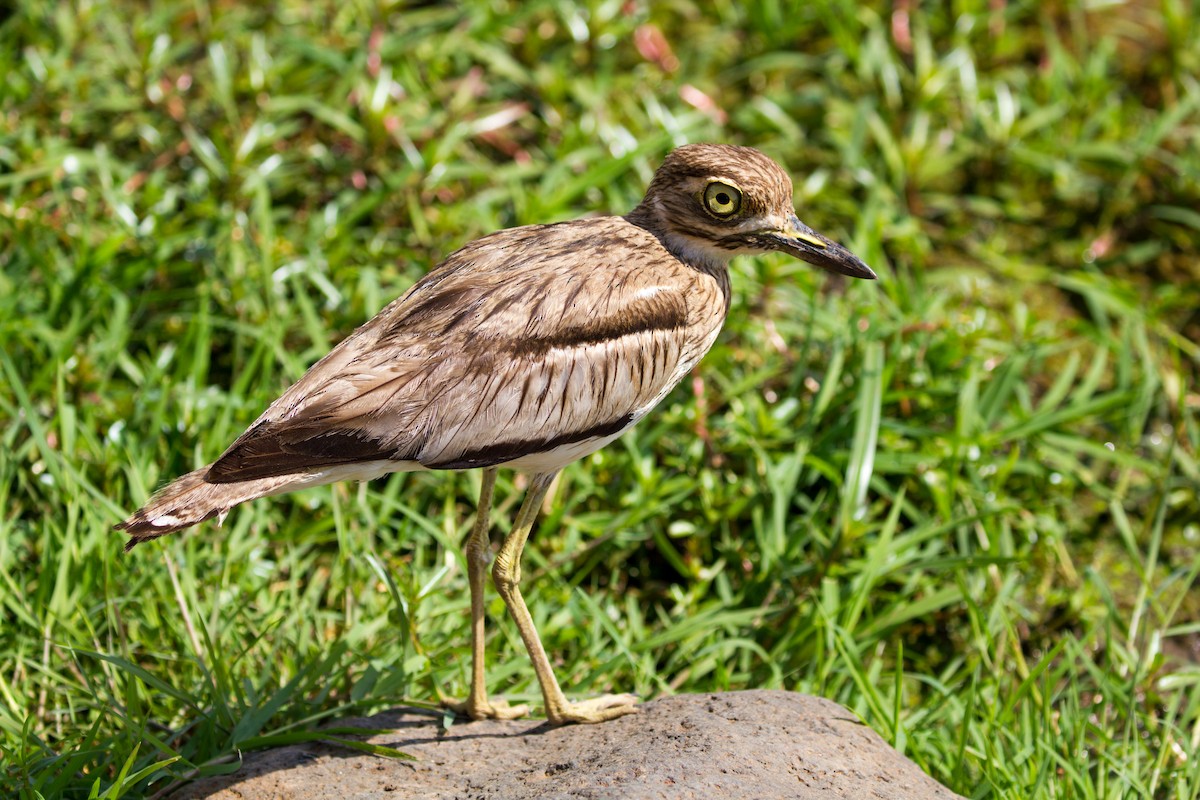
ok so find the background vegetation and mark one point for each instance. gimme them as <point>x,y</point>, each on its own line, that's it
<point>961,501</point>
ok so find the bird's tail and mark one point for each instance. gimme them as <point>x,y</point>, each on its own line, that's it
<point>189,500</point>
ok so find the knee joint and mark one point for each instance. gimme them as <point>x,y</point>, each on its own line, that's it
<point>506,576</point>
<point>478,552</point>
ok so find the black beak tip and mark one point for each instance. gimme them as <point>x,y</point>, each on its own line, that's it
<point>865,272</point>
<point>840,260</point>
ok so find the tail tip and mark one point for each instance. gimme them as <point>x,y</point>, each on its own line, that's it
<point>142,528</point>
<point>132,525</point>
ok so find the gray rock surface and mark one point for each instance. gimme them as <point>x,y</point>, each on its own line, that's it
<point>754,744</point>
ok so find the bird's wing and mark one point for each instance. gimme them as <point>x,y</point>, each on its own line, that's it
<point>523,341</point>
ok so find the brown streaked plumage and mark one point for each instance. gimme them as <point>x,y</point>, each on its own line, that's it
<point>529,348</point>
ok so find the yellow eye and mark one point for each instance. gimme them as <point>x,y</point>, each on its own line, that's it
<point>722,200</point>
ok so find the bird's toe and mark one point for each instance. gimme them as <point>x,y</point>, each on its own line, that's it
<point>598,709</point>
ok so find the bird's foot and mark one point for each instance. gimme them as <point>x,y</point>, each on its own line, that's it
<point>598,709</point>
<point>478,709</point>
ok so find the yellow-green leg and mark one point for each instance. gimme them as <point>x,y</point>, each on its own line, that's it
<point>506,574</point>
<point>478,552</point>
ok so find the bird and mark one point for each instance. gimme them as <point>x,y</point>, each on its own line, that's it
<point>527,349</point>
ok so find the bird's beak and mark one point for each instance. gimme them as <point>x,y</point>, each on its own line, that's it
<point>804,243</point>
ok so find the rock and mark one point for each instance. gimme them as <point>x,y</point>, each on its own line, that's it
<point>753,744</point>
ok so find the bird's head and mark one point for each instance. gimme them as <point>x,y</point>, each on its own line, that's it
<point>710,202</point>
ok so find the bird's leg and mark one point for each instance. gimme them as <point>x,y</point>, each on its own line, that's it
<point>506,574</point>
<point>478,552</point>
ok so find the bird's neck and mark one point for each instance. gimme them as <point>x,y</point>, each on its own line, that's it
<point>688,249</point>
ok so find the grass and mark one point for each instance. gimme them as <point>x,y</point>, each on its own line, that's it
<point>961,501</point>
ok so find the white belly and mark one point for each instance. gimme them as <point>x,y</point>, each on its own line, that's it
<point>562,455</point>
